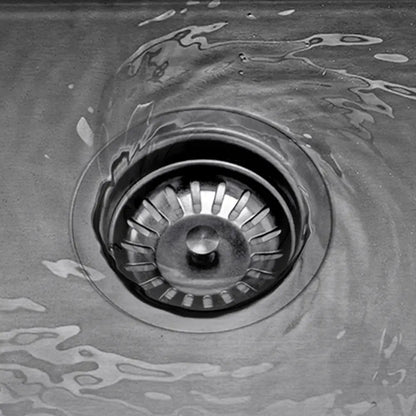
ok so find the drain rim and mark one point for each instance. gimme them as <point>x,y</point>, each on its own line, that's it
<point>278,143</point>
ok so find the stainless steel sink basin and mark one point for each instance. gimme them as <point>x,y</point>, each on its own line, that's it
<point>208,208</point>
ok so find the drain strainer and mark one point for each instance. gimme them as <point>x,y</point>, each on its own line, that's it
<point>213,237</point>
<point>210,220</point>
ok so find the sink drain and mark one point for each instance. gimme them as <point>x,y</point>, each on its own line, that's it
<point>208,237</point>
<point>210,221</point>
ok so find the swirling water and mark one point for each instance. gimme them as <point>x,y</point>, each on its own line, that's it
<point>347,346</point>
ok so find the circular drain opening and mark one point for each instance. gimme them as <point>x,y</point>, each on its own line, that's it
<point>211,221</point>
<point>201,236</point>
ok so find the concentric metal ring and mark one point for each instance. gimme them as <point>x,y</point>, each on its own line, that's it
<point>186,136</point>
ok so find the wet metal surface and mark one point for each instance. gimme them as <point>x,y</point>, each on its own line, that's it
<point>337,78</point>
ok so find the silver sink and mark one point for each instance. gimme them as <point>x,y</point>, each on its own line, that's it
<point>208,208</point>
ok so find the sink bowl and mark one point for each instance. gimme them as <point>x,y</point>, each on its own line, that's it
<point>208,208</point>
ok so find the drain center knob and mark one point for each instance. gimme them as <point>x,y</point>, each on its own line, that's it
<point>202,242</point>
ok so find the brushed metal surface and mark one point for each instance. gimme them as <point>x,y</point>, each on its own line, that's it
<point>346,346</point>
